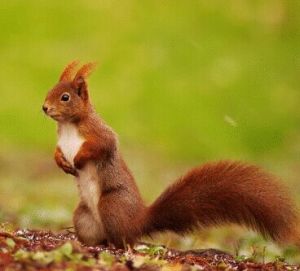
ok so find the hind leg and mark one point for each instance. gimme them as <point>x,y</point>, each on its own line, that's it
<point>89,230</point>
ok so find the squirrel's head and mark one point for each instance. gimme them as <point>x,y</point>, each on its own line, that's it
<point>68,100</point>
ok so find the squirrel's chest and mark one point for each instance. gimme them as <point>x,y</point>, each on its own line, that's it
<point>69,141</point>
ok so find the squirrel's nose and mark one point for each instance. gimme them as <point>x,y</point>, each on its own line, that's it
<point>45,108</point>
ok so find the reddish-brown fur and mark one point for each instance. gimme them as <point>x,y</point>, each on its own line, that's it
<point>99,144</point>
<point>210,195</point>
<point>85,71</point>
<point>68,72</point>
<point>222,193</point>
<point>63,163</point>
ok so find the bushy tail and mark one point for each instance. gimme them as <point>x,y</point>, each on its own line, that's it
<point>221,193</point>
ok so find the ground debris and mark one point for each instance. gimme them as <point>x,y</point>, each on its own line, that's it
<point>45,250</point>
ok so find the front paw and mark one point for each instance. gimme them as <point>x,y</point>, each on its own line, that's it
<point>62,162</point>
<point>68,168</point>
<point>79,162</point>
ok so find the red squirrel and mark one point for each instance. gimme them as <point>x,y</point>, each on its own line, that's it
<point>111,210</point>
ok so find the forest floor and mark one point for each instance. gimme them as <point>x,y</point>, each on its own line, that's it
<point>45,250</point>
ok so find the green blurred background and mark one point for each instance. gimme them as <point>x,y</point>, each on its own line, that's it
<point>181,82</point>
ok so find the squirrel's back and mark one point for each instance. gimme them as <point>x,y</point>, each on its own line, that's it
<point>222,193</point>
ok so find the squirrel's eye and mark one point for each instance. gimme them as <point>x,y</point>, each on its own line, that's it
<point>65,97</point>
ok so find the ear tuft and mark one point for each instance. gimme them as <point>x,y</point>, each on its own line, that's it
<point>68,71</point>
<point>79,81</point>
<point>85,70</point>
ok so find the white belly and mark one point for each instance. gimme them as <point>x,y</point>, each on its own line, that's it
<point>69,141</point>
<point>89,188</point>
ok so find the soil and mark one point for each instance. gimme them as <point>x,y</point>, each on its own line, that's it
<point>45,250</point>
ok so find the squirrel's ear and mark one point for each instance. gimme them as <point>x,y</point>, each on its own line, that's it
<point>80,86</point>
<point>85,70</point>
<point>68,71</point>
<point>79,81</point>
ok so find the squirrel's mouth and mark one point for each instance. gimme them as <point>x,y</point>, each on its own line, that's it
<point>54,116</point>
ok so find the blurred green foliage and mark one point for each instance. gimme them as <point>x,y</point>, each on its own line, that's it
<point>169,72</point>
<point>181,82</point>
